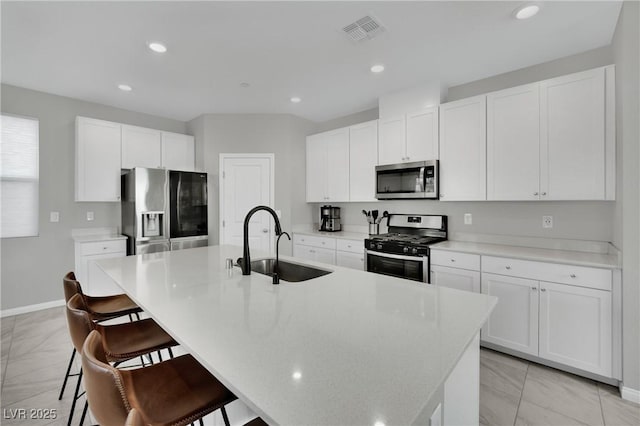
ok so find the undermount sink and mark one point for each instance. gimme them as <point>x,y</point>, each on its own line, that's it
<point>287,271</point>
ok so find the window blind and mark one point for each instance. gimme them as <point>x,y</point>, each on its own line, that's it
<point>19,150</point>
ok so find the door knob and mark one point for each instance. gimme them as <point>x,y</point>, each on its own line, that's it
<point>265,230</point>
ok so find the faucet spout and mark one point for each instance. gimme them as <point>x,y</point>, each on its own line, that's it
<point>246,257</point>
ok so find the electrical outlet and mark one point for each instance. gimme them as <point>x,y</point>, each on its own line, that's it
<point>89,216</point>
<point>54,217</point>
<point>468,219</point>
<point>547,221</point>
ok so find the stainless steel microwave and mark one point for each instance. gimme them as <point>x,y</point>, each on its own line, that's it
<point>407,180</point>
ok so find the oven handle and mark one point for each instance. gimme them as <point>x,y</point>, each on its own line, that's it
<point>395,256</point>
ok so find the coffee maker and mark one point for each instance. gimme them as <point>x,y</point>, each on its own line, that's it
<point>330,219</point>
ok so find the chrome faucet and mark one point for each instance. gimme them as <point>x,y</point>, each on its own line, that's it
<point>276,277</point>
<point>245,261</point>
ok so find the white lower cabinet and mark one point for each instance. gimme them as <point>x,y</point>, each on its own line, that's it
<point>93,279</point>
<point>455,270</point>
<point>334,251</point>
<point>575,327</point>
<point>514,321</point>
<point>570,323</point>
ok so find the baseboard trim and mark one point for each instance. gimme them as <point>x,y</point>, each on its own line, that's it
<point>629,394</point>
<point>31,308</point>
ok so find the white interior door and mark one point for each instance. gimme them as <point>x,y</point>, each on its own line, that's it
<point>246,181</point>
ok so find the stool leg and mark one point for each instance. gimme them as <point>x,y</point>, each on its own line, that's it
<point>170,352</point>
<point>224,416</point>
<point>66,376</point>
<point>75,398</point>
<point>84,413</point>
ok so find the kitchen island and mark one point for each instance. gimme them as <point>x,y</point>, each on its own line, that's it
<point>347,348</point>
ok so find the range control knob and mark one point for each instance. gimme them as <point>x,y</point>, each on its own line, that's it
<point>405,249</point>
<point>379,246</point>
<point>372,245</point>
<point>414,251</point>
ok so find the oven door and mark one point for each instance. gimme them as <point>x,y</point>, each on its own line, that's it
<point>414,268</point>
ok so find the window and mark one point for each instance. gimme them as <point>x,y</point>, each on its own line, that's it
<point>19,167</point>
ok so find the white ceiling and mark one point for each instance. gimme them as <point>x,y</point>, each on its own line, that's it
<point>85,49</point>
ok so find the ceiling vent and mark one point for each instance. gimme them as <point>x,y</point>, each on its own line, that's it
<point>364,28</point>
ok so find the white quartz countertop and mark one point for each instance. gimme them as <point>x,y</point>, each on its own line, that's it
<point>597,260</point>
<point>348,348</point>
<point>92,238</point>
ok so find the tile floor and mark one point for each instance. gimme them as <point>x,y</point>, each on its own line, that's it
<point>36,348</point>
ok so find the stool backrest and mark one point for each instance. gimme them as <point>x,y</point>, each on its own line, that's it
<point>78,321</point>
<point>103,384</point>
<point>71,286</point>
<point>134,419</point>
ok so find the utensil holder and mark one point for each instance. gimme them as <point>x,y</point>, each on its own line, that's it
<point>374,228</point>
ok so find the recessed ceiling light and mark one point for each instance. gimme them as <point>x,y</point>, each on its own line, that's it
<point>377,68</point>
<point>244,84</point>
<point>125,87</point>
<point>526,11</point>
<point>157,47</point>
<point>295,100</point>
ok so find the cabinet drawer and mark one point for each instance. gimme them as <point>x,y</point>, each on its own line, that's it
<point>566,274</point>
<point>352,246</point>
<point>455,260</point>
<point>100,247</point>
<point>315,241</point>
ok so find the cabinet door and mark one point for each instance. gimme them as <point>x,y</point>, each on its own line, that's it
<point>303,252</point>
<point>98,283</point>
<point>513,143</point>
<point>461,279</point>
<point>573,136</point>
<point>178,152</point>
<point>363,157</point>
<point>337,167</point>
<point>575,327</point>
<point>514,321</point>
<point>97,160</point>
<point>324,255</point>
<point>422,135</point>
<point>463,158</point>
<point>141,147</point>
<point>350,260</point>
<point>391,141</point>
<point>316,168</point>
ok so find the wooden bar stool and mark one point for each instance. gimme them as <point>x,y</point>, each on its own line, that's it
<point>121,342</point>
<point>100,308</point>
<point>174,392</point>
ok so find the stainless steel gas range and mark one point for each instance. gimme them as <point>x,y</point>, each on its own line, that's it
<point>404,251</point>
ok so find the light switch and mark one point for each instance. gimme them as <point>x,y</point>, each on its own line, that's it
<point>468,219</point>
<point>54,217</point>
<point>89,216</point>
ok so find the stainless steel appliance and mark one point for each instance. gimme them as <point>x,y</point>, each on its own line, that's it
<point>188,210</point>
<point>144,210</point>
<point>407,180</point>
<point>330,219</point>
<point>404,251</point>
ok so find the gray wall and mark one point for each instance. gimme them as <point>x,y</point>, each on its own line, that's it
<point>281,134</point>
<point>627,58</point>
<point>32,267</point>
<point>567,65</point>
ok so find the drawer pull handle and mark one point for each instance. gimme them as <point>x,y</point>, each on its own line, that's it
<point>508,267</point>
<point>349,245</point>
<point>104,248</point>
<point>534,288</point>
<point>572,275</point>
<point>453,260</point>
<point>543,289</point>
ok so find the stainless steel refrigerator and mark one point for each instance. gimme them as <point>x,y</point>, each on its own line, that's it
<point>163,210</point>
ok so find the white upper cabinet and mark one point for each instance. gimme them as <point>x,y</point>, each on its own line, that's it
<point>328,166</point>
<point>97,160</point>
<point>422,135</point>
<point>572,111</point>
<point>391,140</point>
<point>408,138</point>
<point>178,151</point>
<point>513,144</point>
<point>363,157</point>
<point>141,147</point>
<point>463,150</point>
